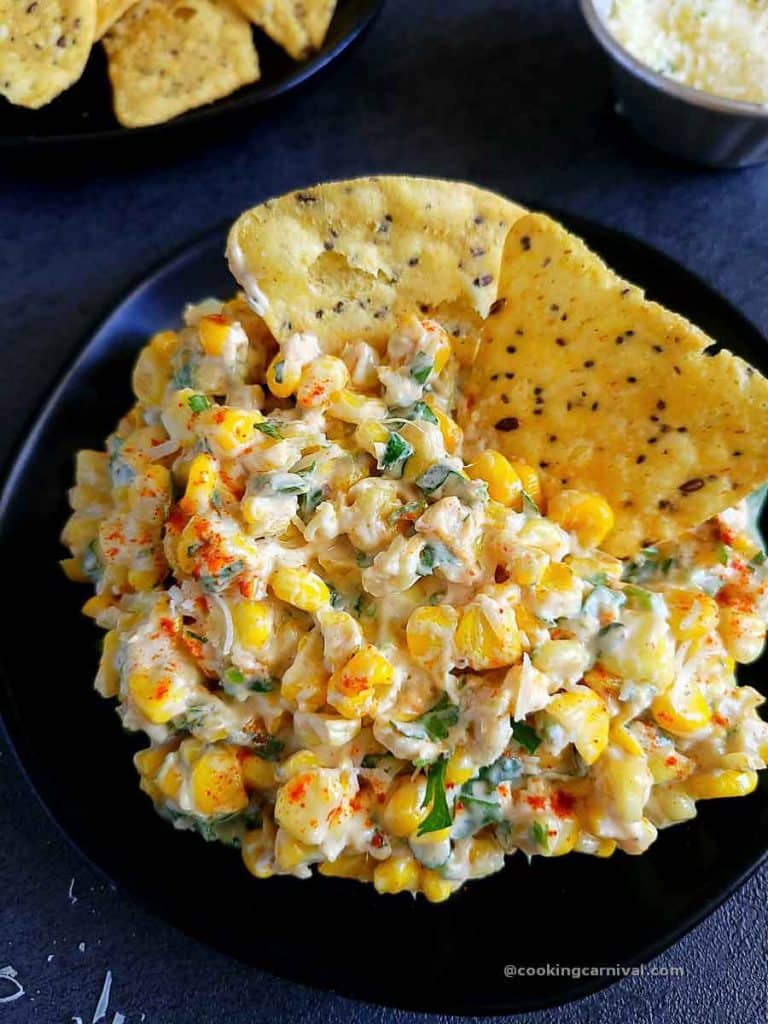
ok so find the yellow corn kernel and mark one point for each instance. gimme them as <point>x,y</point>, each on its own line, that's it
<point>352,407</point>
<point>164,342</point>
<point>692,614</point>
<point>253,622</point>
<point>440,346</point>
<point>485,646</point>
<point>403,812</point>
<point>596,564</point>
<point>107,677</point>
<point>149,761</point>
<point>290,852</point>
<point>430,630</point>
<point>628,782</point>
<point>584,717</point>
<point>233,429</point>
<point>503,482</point>
<point>567,836</point>
<point>526,621</point>
<point>258,852</point>
<point>682,709</point>
<point>589,516</point>
<point>217,782</point>
<point>213,331</point>
<point>526,566</point>
<point>743,633</point>
<point>674,803</point>
<point>529,480</point>
<point>605,848</point>
<point>201,483</point>
<point>257,773</point>
<point>305,802</point>
<point>156,699</point>
<point>73,570</point>
<point>460,767</point>
<point>369,434</point>
<point>624,739</point>
<point>355,689</point>
<point>322,378</point>
<point>543,534</point>
<point>436,888</point>
<point>169,780</point>
<point>301,761</point>
<point>301,588</point>
<point>399,873</point>
<point>349,865</point>
<point>145,579</point>
<point>97,604</point>
<point>305,682</point>
<point>721,783</point>
<point>282,377</point>
<point>79,532</point>
<point>451,431</point>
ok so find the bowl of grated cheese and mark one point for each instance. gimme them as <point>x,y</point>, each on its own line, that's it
<point>690,75</point>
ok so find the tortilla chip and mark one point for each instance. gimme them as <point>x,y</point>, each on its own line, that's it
<point>603,390</point>
<point>299,26</point>
<point>108,12</point>
<point>44,46</point>
<point>169,56</point>
<point>342,260</point>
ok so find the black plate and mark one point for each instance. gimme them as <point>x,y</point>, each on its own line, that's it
<point>83,113</point>
<point>330,933</point>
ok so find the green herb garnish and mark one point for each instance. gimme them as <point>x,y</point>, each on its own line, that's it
<point>270,429</point>
<point>525,736</point>
<point>223,578</point>
<point>439,815</point>
<point>540,835</point>
<point>396,453</point>
<point>198,403</point>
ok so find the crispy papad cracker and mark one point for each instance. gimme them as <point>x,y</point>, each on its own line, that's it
<point>299,26</point>
<point>343,260</point>
<point>44,46</point>
<point>108,12</point>
<point>603,390</point>
<point>168,56</point>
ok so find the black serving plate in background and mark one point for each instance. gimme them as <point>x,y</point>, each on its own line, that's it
<point>83,113</point>
<point>334,934</point>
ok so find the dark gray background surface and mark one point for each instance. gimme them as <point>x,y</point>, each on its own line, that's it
<point>512,95</point>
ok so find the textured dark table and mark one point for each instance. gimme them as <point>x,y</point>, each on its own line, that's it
<point>508,94</point>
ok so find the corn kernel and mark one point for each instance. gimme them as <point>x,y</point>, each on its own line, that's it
<point>718,784</point>
<point>624,739</point>
<point>450,430</point>
<point>430,630</point>
<point>589,516</point>
<point>628,783</point>
<point>349,865</point>
<point>290,852</point>
<point>682,709</point>
<point>605,848</point>
<point>674,803</point>
<point>253,623</point>
<point>301,761</point>
<point>73,570</point>
<point>692,614</point>
<point>743,633</point>
<point>503,482</point>
<point>351,407</point>
<point>355,689</point>
<point>403,812</point>
<point>145,579</point>
<point>107,677</point>
<point>257,773</point>
<point>301,588</point>
<point>436,888</point>
<point>481,645</point>
<point>213,331</point>
<point>305,682</point>
<point>399,873</point>
<point>460,767</point>
<point>97,604</point>
<point>282,377</point>
<point>217,782</point>
<point>584,717</point>
<point>169,780</point>
<point>201,483</point>
<point>156,699</point>
<point>369,434</point>
<point>258,852</point>
<point>321,379</point>
<point>232,429</point>
<point>526,565</point>
<point>306,801</point>
<point>529,480</point>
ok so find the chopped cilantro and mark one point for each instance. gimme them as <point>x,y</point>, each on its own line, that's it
<point>641,598</point>
<point>529,505</point>
<point>411,510</point>
<point>525,736</point>
<point>234,675</point>
<point>432,555</point>
<point>501,771</point>
<point>183,378</point>
<point>198,403</point>
<point>433,724</point>
<point>197,636</point>
<point>396,453</point>
<point>759,559</point>
<point>308,502</point>
<point>270,429</point>
<point>597,579</point>
<point>421,370</point>
<point>434,477</point>
<point>279,371</point>
<point>222,579</point>
<point>540,835</point>
<point>267,747</point>
<point>363,559</point>
<point>417,411</point>
<point>439,815</point>
<point>723,553</point>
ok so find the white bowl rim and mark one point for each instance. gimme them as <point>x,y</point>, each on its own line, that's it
<point>686,93</point>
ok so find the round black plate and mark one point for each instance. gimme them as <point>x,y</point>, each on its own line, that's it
<point>330,933</point>
<point>83,113</point>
